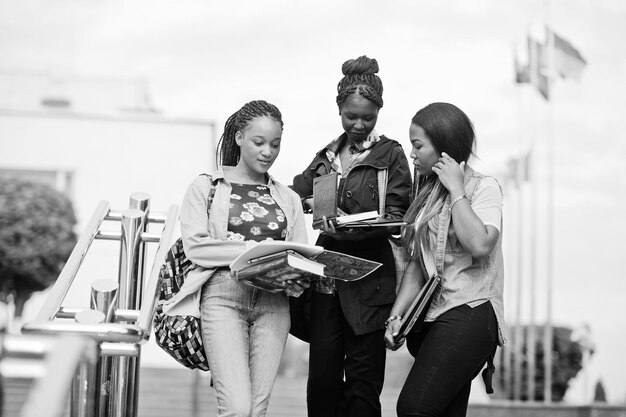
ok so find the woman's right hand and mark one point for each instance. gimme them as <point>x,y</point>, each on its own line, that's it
<point>393,329</point>
<point>344,233</point>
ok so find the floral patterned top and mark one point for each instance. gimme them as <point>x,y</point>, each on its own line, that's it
<point>254,215</point>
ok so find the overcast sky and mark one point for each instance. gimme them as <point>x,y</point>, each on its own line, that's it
<point>205,59</point>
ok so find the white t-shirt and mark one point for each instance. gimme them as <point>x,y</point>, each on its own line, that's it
<point>486,203</point>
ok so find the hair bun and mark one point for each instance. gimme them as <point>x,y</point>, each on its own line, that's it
<point>361,65</point>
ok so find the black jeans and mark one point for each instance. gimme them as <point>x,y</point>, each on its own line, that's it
<point>335,352</point>
<point>449,353</point>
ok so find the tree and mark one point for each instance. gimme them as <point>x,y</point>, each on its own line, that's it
<point>599,395</point>
<point>567,361</point>
<point>36,238</point>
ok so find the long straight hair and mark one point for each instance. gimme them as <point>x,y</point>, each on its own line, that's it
<point>450,131</point>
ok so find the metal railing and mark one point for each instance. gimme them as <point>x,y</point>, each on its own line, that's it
<point>63,360</point>
<point>120,312</point>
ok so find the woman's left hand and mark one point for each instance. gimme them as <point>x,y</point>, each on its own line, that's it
<point>391,332</point>
<point>450,173</point>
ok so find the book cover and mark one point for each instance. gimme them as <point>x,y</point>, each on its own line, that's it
<point>269,272</point>
<point>324,198</point>
<point>268,264</point>
<point>345,267</point>
<point>416,312</point>
<point>325,204</point>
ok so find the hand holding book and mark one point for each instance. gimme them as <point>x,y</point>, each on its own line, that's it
<point>328,217</point>
<point>272,265</point>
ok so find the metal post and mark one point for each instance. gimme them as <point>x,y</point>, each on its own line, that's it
<point>83,390</point>
<point>125,373</point>
<point>132,220</point>
<point>548,331</point>
<point>141,201</point>
<point>103,299</point>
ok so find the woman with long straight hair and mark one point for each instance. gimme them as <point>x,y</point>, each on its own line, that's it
<point>453,230</point>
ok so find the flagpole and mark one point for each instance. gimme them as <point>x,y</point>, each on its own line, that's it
<point>531,338</point>
<point>518,338</point>
<point>548,331</point>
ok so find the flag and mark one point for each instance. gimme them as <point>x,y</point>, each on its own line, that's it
<point>539,71</point>
<point>534,70</point>
<point>538,57</point>
<point>522,70</point>
<point>520,167</point>
<point>568,61</point>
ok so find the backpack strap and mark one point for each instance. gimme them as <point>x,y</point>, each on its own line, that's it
<point>211,193</point>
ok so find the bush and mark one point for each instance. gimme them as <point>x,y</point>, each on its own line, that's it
<point>567,361</point>
<point>36,238</point>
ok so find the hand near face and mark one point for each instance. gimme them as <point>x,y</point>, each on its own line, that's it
<point>450,173</point>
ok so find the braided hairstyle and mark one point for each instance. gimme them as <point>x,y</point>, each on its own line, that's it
<point>228,152</point>
<point>359,76</point>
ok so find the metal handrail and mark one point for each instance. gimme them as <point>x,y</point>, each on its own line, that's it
<point>104,332</point>
<point>62,285</point>
<point>101,332</point>
<point>120,315</point>
<point>49,395</point>
<point>148,303</point>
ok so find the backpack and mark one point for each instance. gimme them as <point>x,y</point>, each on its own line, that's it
<point>179,336</point>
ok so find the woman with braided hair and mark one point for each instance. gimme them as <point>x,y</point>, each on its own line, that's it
<point>244,329</point>
<point>346,352</point>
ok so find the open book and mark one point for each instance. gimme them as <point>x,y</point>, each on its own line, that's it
<point>268,264</point>
<point>325,204</point>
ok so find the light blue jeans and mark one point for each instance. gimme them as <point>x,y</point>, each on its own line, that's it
<point>244,330</point>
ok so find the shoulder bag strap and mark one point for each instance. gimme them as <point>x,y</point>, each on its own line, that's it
<point>381,177</point>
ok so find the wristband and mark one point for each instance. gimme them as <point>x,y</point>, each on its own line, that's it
<point>392,318</point>
<point>456,200</point>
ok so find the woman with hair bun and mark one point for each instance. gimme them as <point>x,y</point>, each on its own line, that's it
<point>244,329</point>
<point>347,355</point>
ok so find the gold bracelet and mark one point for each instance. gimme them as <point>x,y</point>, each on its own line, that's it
<point>456,200</point>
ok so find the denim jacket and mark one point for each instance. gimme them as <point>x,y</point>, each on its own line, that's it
<point>465,280</point>
<point>204,237</point>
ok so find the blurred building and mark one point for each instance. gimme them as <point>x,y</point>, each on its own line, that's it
<point>99,139</point>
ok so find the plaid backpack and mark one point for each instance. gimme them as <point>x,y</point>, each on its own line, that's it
<point>179,336</point>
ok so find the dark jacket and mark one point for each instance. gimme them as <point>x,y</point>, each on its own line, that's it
<point>366,303</point>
